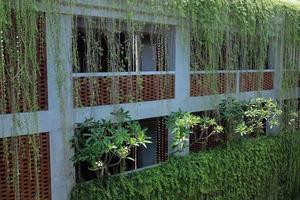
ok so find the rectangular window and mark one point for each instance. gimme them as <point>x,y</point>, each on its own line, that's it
<point>107,45</point>
<point>147,156</point>
<point>156,152</point>
<point>231,53</point>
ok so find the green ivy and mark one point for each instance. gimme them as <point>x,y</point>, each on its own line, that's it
<point>263,168</point>
<point>230,28</point>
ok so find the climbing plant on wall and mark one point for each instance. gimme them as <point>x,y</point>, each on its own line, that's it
<point>224,35</point>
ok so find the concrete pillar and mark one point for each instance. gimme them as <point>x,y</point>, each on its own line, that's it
<point>276,63</point>
<point>59,64</point>
<point>182,64</point>
<point>182,74</point>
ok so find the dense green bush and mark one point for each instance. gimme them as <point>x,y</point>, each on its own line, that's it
<point>103,145</point>
<point>262,168</point>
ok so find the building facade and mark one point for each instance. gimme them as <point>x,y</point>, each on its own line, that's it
<point>62,106</point>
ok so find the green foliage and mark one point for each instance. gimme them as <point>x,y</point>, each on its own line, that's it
<point>260,169</point>
<point>231,114</point>
<point>242,29</point>
<point>293,120</point>
<point>98,142</point>
<point>235,34</point>
<point>244,118</point>
<point>260,109</point>
<point>238,118</point>
<point>257,111</point>
<point>290,117</point>
<point>181,123</point>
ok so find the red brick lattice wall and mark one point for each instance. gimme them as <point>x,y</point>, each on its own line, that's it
<point>42,93</point>
<point>194,136</point>
<point>25,159</point>
<point>254,81</point>
<point>92,91</point>
<point>209,84</point>
<point>162,140</point>
<point>42,60</point>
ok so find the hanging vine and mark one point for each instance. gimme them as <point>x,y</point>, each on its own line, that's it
<point>224,35</point>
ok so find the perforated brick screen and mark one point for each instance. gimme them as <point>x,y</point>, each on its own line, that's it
<point>30,183</point>
<point>42,60</point>
<point>254,81</point>
<point>7,85</point>
<point>209,84</point>
<point>162,140</point>
<point>195,145</point>
<point>91,91</point>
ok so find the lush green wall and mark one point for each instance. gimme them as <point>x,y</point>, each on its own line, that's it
<point>263,168</point>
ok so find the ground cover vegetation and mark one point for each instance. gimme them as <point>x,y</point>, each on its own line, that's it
<point>224,35</point>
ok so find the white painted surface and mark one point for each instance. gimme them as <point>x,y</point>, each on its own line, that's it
<point>101,74</point>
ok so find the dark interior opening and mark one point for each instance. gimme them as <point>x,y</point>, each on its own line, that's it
<point>100,61</point>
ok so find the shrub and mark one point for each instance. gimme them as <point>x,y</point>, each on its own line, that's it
<point>103,144</point>
<point>181,125</point>
<point>261,168</point>
<point>248,118</point>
